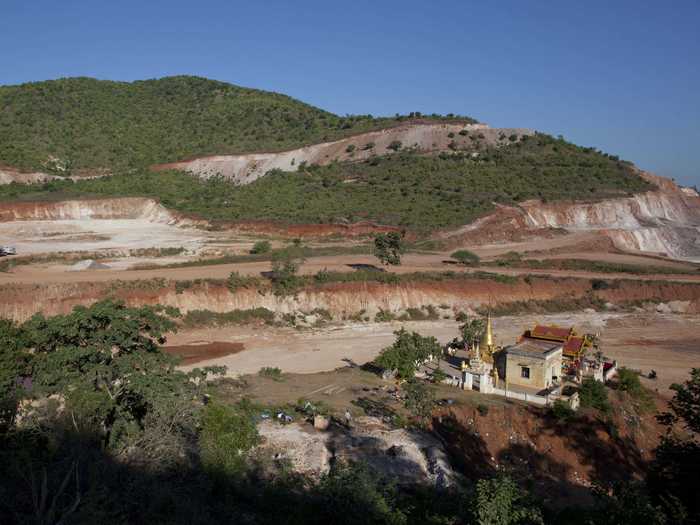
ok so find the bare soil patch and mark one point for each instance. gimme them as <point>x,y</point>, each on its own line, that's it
<point>197,353</point>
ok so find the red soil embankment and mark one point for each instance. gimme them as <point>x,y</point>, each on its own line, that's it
<point>342,300</point>
<point>563,458</point>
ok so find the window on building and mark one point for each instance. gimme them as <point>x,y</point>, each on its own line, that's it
<point>525,372</point>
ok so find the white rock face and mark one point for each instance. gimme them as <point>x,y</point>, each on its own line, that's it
<point>244,169</point>
<point>121,208</point>
<point>662,222</point>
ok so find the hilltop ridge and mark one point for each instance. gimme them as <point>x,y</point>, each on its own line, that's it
<point>85,124</point>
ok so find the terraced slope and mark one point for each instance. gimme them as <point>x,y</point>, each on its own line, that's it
<point>409,189</point>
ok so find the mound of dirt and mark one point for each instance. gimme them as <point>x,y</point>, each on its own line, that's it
<point>88,264</point>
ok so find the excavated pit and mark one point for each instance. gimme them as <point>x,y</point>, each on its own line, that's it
<point>94,225</point>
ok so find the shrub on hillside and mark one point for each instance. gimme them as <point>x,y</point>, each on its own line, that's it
<point>227,433</point>
<point>562,412</point>
<point>466,257</point>
<point>395,145</point>
<point>271,372</point>
<point>261,247</point>
<point>593,394</point>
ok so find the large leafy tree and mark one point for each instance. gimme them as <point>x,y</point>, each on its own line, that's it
<point>500,501</point>
<point>407,350</point>
<point>354,494</point>
<point>226,434</point>
<point>106,363</point>
<point>420,399</point>
<point>674,473</point>
<point>14,365</point>
<point>472,330</point>
<point>388,247</point>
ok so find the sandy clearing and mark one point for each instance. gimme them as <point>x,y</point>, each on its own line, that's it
<point>621,258</point>
<point>33,237</point>
<point>670,344</point>
<point>539,244</point>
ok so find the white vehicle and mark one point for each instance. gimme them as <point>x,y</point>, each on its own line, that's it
<point>7,250</point>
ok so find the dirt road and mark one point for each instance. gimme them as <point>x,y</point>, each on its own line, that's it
<point>411,263</point>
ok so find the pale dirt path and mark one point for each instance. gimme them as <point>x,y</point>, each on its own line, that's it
<point>670,344</point>
<point>309,351</point>
<point>621,258</point>
<point>36,274</point>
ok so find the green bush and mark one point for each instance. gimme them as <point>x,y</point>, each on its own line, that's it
<point>384,316</point>
<point>593,394</point>
<point>438,375</point>
<point>271,372</point>
<point>628,381</point>
<point>420,399</point>
<point>226,435</point>
<point>261,247</point>
<point>388,247</point>
<point>408,348</point>
<point>237,281</point>
<point>466,257</point>
<point>202,318</point>
<point>562,412</point>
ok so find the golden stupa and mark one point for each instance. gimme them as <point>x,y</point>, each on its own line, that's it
<point>489,347</point>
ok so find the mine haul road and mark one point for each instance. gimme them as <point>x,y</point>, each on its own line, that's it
<point>47,274</point>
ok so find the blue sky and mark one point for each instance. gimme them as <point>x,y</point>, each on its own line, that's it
<point>623,76</point>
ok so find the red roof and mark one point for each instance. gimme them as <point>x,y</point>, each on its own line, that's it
<point>554,333</point>
<point>573,346</point>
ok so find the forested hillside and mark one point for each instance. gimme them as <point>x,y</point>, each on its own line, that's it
<point>407,189</point>
<point>88,123</point>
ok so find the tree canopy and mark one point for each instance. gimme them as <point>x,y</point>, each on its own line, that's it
<point>75,123</point>
<point>407,350</point>
<point>388,247</point>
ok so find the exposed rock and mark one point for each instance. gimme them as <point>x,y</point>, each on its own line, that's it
<point>321,422</point>
<point>663,308</point>
<point>409,456</point>
<point>679,307</point>
<point>244,169</point>
<point>88,264</point>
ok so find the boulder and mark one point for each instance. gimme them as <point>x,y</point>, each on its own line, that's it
<point>679,307</point>
<point>663,308</point>
<point>321,422</point>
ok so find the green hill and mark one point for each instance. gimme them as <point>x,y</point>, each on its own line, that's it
<point>88,123</point>
<point>409,189</point>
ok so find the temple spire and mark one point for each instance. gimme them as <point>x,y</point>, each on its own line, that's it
<point>489,333</point>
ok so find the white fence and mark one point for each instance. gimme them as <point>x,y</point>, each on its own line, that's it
<point>522,396</point>
<point>610,372</point>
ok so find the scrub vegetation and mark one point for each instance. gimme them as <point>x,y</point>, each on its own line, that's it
<point>406,189</point>
<point>77,123</point>
<point>97,425</point>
